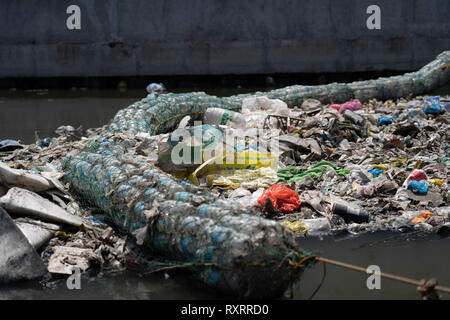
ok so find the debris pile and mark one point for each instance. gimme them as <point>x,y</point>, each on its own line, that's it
<point>40,215</point>
<point>360,166</point>
<point>228,197</point>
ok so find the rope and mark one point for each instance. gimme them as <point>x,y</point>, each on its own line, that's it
<point>427,288</point>
<point>297,265</point>
<point>383,274</point>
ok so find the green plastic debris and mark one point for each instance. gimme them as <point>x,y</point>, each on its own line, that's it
<point>295,174</point>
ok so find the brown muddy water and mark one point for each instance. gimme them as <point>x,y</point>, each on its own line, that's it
<point>413,255</point>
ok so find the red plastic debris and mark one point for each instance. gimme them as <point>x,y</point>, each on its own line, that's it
<point>417,175</point>
<point>282,198</point>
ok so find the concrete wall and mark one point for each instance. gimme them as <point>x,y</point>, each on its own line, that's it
<point>165,37</point>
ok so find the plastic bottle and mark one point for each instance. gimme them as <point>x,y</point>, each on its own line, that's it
<point>217,116</point>
<point>350,214</point>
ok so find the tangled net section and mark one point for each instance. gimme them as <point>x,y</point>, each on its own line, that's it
<point>226,245</point>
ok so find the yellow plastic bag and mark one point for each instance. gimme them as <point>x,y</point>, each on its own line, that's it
<point>437,182</point>
<point>296,226</point>
<point>380,166</point>
<point>399,162</point>
<point>230,163</point>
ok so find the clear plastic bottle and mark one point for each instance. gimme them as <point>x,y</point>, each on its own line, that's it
<point>217,116</point>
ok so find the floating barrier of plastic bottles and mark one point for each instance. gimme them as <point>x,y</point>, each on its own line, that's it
<point>226,245</point>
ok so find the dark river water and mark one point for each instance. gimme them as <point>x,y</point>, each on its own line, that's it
<point>22,113</point>
<point>416,256</point>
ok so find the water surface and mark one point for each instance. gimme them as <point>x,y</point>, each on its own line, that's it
<point>22,113</point>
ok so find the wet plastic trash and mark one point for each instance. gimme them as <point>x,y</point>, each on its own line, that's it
<point>354,117</point>
<point>263,177</point>
<point>350,214</point>
<point>217,116</point>
<point>384,121</point>
<point>317,227</point>
<point>311,105</point>
<point>295,174</point>
<point>420,187</point>
<point>252,199</point>
<point>256,109</point>
<point>43,143</point>
<point>422,217</point>
<point>296,226</point>
<point>156,88</point>
<point>433,109</point>
<point>433,105</point>
<point>9,145</point>
<point>282,198</point>
<point>376,172</point>
<point>437,182</point>
<point>366,190</point>
<point>196,225</point>
<point>417,181</point>
<point>416,175</point>
<point>352,105</point>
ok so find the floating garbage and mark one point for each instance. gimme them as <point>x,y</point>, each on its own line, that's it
<point>417,182</point>
<point>420,187</point>
<point>422,217</point>
<point>222,221</point>
<point>217,116</point>
<point>383,121</point>
<point>9,145</point>
<point>156,88</point>
<point>281,197</point>
<point>433,105</point>
<point>295,174</point>
<point>352,105</point>
<point>350,214</point>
